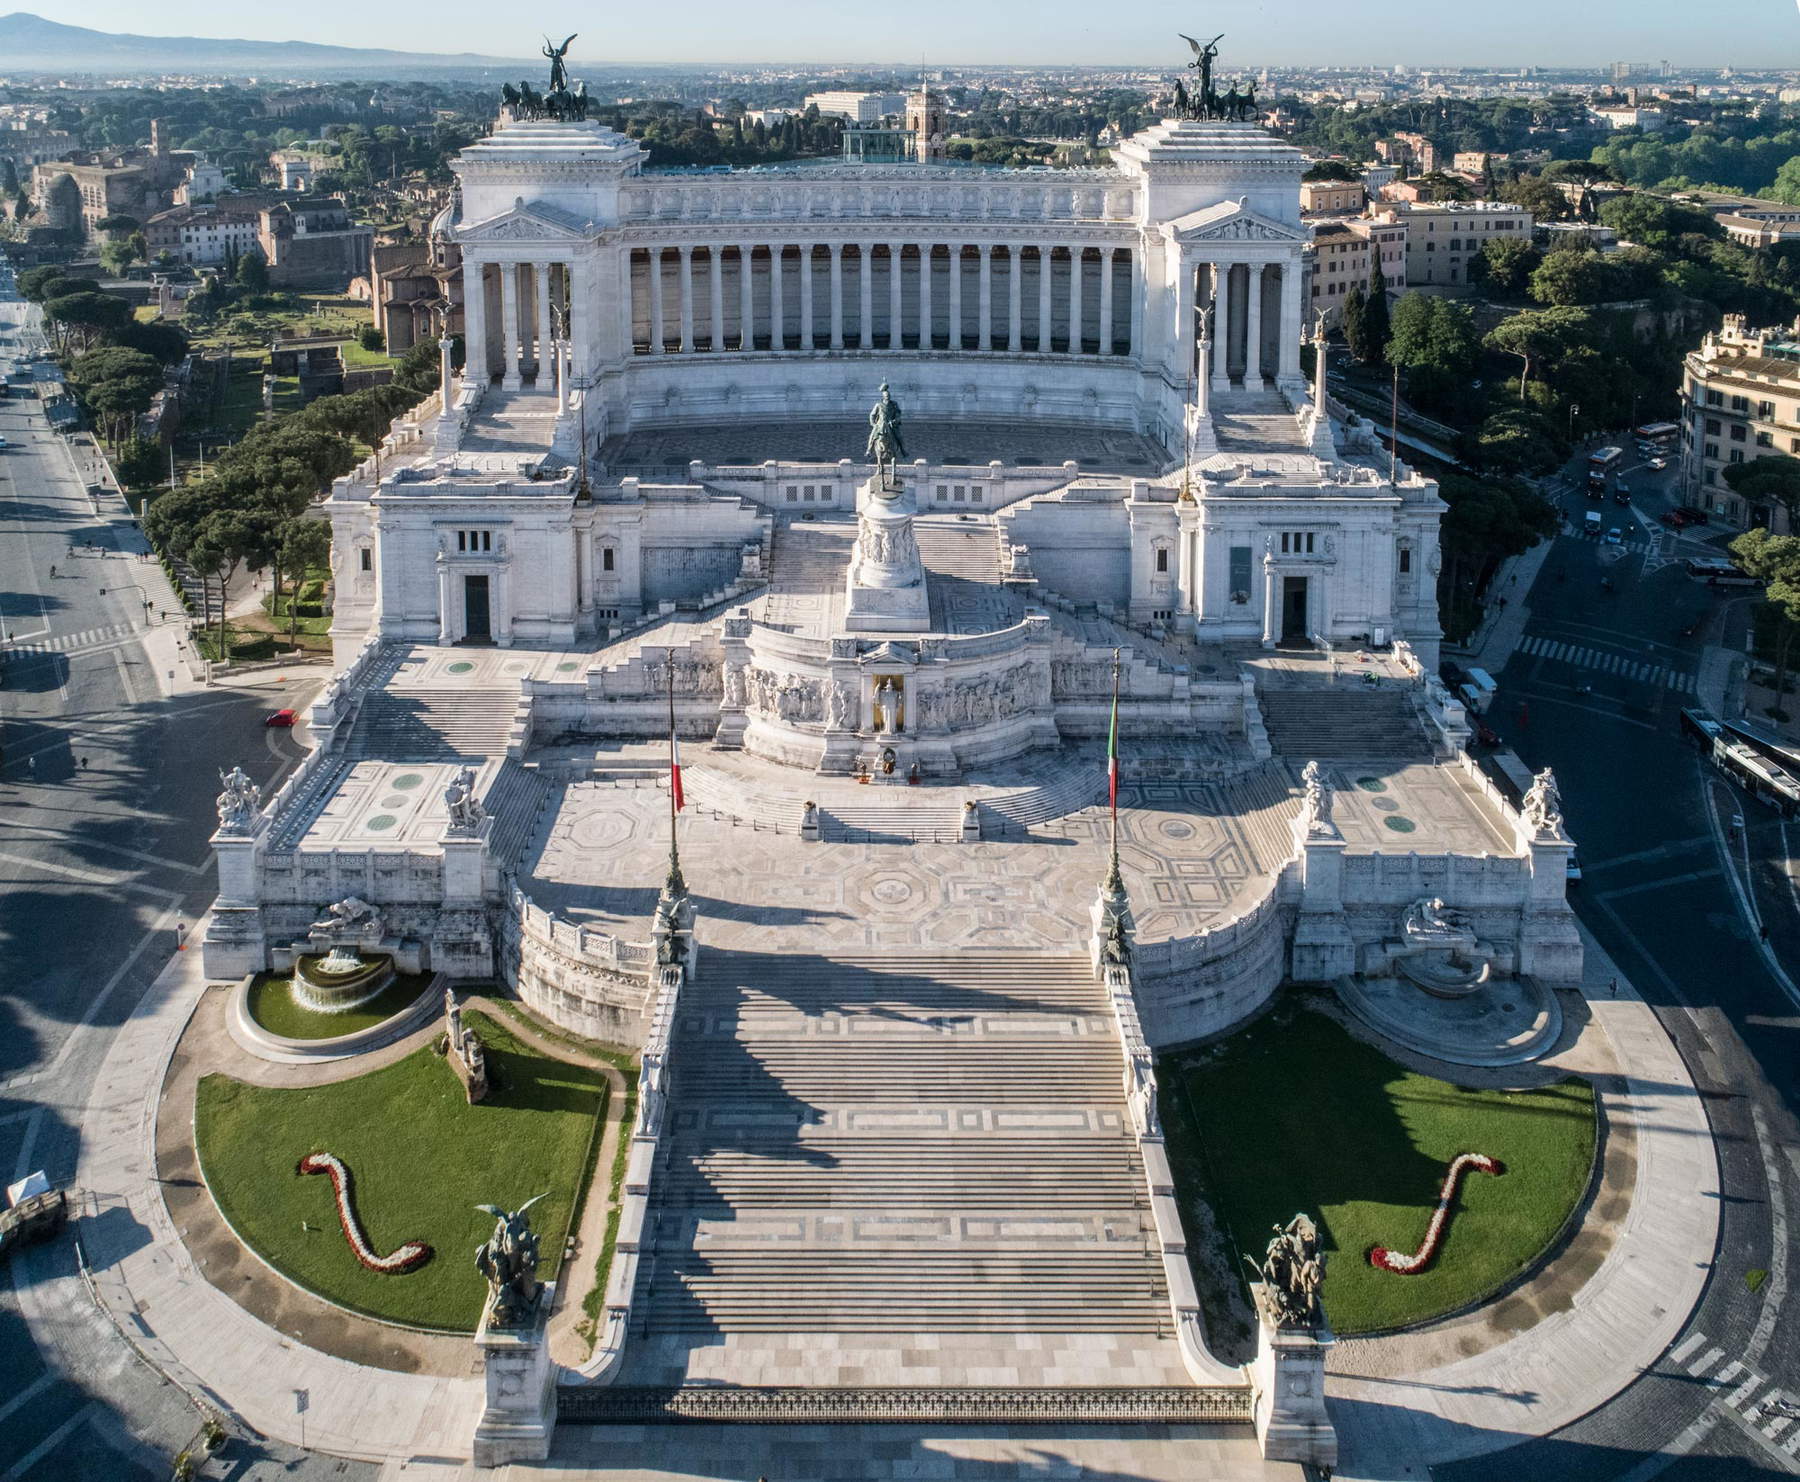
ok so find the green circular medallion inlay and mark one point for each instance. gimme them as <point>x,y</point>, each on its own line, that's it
<point>461,666</point>
<point>398,800</point>
<point>565,668</point>
<point>1400,824</point>
<point>1371,784</point>
<point>409,779</point>
<point>387,820</point>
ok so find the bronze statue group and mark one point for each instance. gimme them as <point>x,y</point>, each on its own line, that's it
<point>1208,102</point>
<point>558,100</point>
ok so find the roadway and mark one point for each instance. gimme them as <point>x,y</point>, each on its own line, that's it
<point>1595,691</point>
<point>107,777</point>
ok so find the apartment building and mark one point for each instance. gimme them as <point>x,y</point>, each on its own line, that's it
<point>1740,400</point>
<point>1442,236</point>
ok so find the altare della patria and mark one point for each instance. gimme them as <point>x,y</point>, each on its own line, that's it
<point>932,510</point>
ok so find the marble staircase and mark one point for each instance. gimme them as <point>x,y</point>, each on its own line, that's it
<point>902,1145</point>
<point>433,725</point>
<point>1342,721</point>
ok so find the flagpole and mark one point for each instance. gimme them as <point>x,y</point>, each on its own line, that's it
<point>675,884</point>
<point>1112,776</point>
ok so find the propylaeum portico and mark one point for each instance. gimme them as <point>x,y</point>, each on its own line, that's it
<point>1078,292</point>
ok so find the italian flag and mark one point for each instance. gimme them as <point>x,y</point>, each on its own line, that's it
<point>675,769</point>
<point>1112,755</point>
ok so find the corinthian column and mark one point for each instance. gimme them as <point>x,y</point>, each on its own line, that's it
<point>1106,301</point>
<point>984,338</point>
<point>777,297</point>
<point>837,295</point>
<point>1014,298</point>
<point>1221,327</point>
<point>956,277</point>
<point>509,325</point>
<point>657,327</point>
<point>896,300</point>
<point>806,296</point>
<point>1253,327</point>
<point>746,299</point>
<point>925,251</point>
<point>540,273</point>
<point>865,295</point>
<point>1046,258</point>
<point>715,306</point>
<point>1076,254</point>
<point>686,296</point>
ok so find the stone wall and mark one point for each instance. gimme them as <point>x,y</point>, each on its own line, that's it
<point>584,981</point>
<point>1191,988</point>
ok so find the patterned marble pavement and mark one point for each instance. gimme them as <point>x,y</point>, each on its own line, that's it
<point>1190,852</point>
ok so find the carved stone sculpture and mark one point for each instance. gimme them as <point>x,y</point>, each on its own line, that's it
<point>734,686</point>
<point>509,1260</point>
<point>1543,804</point>
<point>1430,918</point>
<point>837,706</point>
<point>239,800</point>
<point>1318,800</point>
<point>349,915</point>
<point>460,802</point>
<point>1292,1271</point>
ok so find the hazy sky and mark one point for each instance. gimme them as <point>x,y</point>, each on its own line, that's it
<point>1745,33</point>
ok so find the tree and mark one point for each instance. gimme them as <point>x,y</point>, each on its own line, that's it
<point>369,337</point>
<point>1771,479</point>
<point>167,343</point>
<point>1514,440</point>
<point>1434,342</point>
<point>1504,266</point>
<point>1487,520</point>
<point>1570,276</point>
<point>1652,221</point>
<point>37,284</point>
<point>139,463</point>
<point>1332,170</point>
<point>1355,317</point>
<point>1774,560</point>
<point>87,315</point>
<point>1538,196</point>
<point>304,543</point>
<point>253,273</point>
<point>116,385</point>
<point>1536,335</point>
<point>1376,326</point>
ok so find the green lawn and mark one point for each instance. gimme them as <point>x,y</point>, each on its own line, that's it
<point>422,1158</point>
<point>1296,1114</point>
<point>273,1005</point>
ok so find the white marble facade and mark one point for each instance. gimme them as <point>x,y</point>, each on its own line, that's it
<point>1155,298</point>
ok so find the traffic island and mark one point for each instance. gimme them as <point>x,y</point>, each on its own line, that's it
<point>419,1159</point>
<point>1297,1112</point>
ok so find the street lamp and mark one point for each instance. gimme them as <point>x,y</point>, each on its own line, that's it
<point>1574,408</point>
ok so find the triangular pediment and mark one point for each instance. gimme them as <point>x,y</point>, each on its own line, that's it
<point>1232,221</point>
<point>537,222</point>
<point>891,653</point>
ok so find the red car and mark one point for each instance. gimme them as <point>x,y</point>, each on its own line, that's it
<point>281,719</point>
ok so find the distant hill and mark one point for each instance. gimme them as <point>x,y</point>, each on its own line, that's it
<point>29,43</point>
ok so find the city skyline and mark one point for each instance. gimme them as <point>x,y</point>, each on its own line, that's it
<point>1536,33</point>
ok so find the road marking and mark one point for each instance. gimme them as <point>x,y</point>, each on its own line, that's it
<point>1664,883</point>
<point>1736,1398</point>
<point>30,1392</point>
<point>1687,1346</point>
<point>1726,1375</point>
<point>50,1442</point>
<point>1705,1362</point>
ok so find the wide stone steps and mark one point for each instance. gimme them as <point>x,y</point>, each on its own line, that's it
<point>428,725</point>
<point>912,1144</point>
<point>909,1292</point>
<point>939,823</point>
<point>516,802</point>
<point>1343,722</point>
<point>965,551</point>
<point>1263,804</point>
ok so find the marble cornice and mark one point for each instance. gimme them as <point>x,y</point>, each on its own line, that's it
<point>908,233</point>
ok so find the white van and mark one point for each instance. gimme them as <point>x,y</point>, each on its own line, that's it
<point>1482,683</point>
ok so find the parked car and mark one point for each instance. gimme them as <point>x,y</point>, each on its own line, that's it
<point>1621,495</point>
<point>281,720</point>
<point>1659,464</point>
<point>1572,867</point>
<point>1694,513</point>
<point>1614,537</point>
<point>1676,520</point>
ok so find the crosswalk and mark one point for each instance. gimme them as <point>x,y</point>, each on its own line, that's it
<point>1602,662</point>
<point>62,643</point>
<point>1765,1407</point>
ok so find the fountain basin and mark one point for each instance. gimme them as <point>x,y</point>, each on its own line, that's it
<point>331,983</point>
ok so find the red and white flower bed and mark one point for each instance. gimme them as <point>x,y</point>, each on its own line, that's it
<point>404,1258</point>
<point>1388,1260</point>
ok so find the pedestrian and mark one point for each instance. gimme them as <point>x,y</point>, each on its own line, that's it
<point>52,573</point>
<point>1762,934</point>
<point>31,767</point>
<point>1612,988</point>
<point>84,764</point>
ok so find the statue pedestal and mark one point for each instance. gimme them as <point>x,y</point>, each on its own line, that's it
<point>885,590</point>
<point>520,1411</point>
<point>1287,1382</point>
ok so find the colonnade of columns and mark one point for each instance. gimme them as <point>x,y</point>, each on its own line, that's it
<point>524,294</point>
<point>1242,346</point>
<point>903,296</point>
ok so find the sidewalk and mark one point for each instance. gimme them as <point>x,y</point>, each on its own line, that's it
<point>1619,1323</point>
<point>146,1280</point>
<point>1502,628</point>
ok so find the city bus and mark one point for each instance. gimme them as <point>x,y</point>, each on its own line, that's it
<point>1660,435</point>
<point>1603,467</point>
